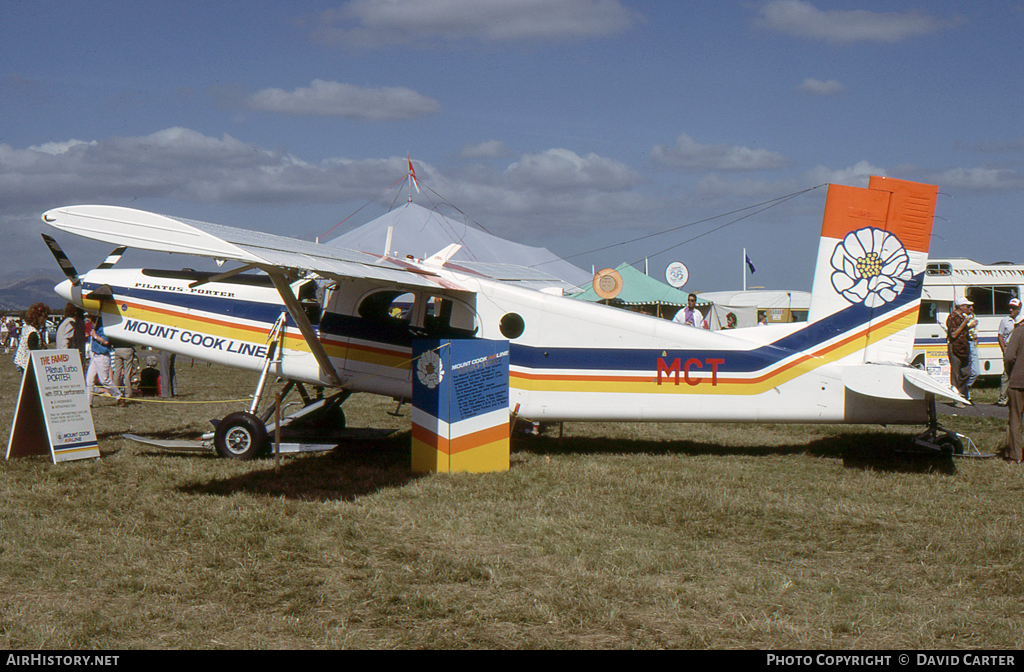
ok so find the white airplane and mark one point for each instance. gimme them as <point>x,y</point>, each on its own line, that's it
<point>332,318</point>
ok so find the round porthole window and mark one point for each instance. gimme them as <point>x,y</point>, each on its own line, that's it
<point>512,325</point>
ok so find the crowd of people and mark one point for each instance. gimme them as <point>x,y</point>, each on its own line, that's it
<point>109,363</point>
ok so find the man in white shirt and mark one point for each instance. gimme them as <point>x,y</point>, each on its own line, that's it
<point>689,315</point>
<point>1005,329</point>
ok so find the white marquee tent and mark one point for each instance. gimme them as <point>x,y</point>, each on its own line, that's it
<point>421,232</point>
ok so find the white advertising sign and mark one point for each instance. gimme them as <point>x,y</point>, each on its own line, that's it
<point>53,415</point>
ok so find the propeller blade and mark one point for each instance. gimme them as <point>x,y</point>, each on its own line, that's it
<point>113,257</point>
<point>62,260</point>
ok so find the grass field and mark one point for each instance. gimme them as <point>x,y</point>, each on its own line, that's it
<point>615,536</point>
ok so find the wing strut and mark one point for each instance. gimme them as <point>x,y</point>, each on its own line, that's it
<point>302,322</point>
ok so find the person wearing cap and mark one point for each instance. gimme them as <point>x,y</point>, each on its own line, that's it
<point>1013,363</point>
<point>1003,334</point>
<point>959,347</point>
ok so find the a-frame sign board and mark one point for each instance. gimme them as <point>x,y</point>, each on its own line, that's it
<point>53,416</point>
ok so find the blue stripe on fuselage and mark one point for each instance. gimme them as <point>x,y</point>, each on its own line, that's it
<point>736,361</point>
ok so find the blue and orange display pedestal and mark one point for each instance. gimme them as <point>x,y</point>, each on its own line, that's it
<point>460,418</point>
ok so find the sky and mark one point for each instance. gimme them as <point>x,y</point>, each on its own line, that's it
<point>608,131</point>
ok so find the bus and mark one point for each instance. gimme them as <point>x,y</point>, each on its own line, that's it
<point>989,286</point>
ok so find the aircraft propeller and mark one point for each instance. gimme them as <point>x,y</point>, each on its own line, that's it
<point>75,281</point>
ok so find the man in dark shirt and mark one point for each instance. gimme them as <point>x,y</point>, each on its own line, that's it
<point>959,347</point>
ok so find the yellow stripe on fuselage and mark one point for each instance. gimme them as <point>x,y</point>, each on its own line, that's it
<point>704,381</point>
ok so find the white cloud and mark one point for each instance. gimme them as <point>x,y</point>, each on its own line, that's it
<point>688,155</point>
<point>54,148</point>
<point>802,19</point>
<point>378,23</point>
<point>561,169</point>
<point>178,163</point>
<point>816,87</point>
<point>553,188</point>
<point>333,99</point>
<point>856,175</point>
<point>491,149</point>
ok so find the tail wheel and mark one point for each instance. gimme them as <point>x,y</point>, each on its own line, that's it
<point>240,436</point>
<point>950,444</point>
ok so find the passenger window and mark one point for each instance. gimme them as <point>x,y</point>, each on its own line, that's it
<point>1002,296</point>
<point>448,318</point>
<point>391,306</point>
<point>929,313</point>
<point>982,298</point>
<point>386,317</point>
<point>992,300</point>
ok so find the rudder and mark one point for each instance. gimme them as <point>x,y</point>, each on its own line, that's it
<point>871,261</point>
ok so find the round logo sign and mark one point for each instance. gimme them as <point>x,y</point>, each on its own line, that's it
<point>676,274</point>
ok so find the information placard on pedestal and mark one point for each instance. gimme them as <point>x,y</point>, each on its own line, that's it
<point>53,416</point>
<point>460,419</point>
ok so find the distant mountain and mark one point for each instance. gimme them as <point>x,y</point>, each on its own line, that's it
<point>19,291</point>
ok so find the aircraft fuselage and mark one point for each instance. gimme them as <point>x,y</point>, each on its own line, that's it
<point>569,360</point>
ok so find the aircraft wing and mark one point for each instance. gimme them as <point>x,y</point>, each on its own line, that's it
<point>161,233</point>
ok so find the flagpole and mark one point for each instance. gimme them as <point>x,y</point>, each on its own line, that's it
<point>744,261</point>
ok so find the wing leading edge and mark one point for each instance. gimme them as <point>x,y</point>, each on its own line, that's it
<point>161,233</point>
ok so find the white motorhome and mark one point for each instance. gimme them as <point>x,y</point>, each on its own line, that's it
<point>989,286</point>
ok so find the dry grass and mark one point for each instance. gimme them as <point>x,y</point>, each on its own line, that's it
<point>617,536</point>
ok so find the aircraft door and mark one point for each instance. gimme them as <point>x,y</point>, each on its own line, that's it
<point>379,335</point>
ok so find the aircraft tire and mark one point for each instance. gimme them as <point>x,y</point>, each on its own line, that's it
<point>950,444</point>
<point>240,436</point>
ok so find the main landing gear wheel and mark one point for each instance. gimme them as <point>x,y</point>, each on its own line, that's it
<point>240,436</point>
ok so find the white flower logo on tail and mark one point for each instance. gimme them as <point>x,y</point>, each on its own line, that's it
<point>871,267</point>
<point>430,370</point>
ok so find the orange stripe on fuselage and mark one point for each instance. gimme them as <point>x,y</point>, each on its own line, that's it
<point>863,333</point>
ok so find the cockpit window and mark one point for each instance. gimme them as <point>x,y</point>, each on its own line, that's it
<point>306,293</point>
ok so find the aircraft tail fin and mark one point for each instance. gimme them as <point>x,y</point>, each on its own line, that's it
<point>871,261</point>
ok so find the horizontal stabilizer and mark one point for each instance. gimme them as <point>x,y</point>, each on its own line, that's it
<point>926,383</point>
<point>896,382</point>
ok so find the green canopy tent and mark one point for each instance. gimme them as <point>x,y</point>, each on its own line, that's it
<point>643,294</point>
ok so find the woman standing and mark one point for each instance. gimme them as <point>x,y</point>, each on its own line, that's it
<point>31,338</point>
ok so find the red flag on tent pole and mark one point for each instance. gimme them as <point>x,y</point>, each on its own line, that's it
<point>412,174</point>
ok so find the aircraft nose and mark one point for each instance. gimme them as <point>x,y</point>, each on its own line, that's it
<point>63,289</point>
